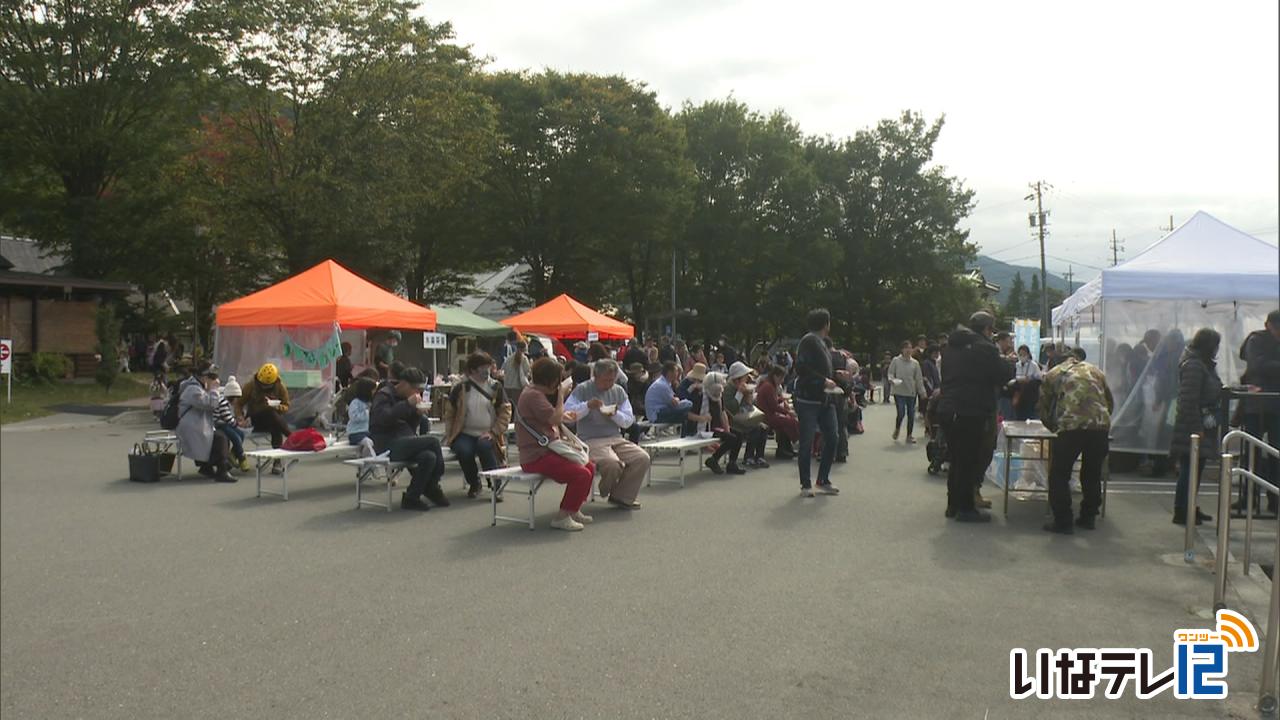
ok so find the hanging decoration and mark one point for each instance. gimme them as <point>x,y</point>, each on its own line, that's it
<point>322,356</point>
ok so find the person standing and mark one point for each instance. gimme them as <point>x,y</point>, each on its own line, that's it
<point>907,381</point>
<point>603,410</point>
<point>516,372</point>
<point>813,406</point>
<point>886,387</point>
<point>342,368</point>
<point>1081,404</point>
<point>1261,355</point>
<point>384,353</point>
<point>1026,388</point>
<point>538,422</point>
<point>974,371</point>
<point>1196,411</point>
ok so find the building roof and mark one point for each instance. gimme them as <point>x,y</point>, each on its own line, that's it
<point>23,262</point>
<point>494,289</point>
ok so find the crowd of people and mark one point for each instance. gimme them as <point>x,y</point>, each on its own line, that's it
<point>581,417</point>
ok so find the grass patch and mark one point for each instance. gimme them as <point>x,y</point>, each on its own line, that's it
<point>32,401</point>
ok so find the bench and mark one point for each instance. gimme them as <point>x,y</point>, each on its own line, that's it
<point>289,458</point>
<point>500,479</point>
<point>163,441</point>
<point>681,447</point>
<point>378,467</point>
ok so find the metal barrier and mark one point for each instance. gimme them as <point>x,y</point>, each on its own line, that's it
<point>1267,699</point>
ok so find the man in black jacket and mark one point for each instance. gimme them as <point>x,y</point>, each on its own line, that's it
<point>1261,354</point>
<point>972,373</point>
<point>393,425</point>
<point>813,405</point>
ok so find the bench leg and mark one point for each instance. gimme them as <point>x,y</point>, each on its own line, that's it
<point>359,489</point>
<point>389,479</point>
<point>682,454</point>
<point>533,490</point>
<point>258,465</point>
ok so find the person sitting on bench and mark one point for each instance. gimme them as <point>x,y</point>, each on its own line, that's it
<point>264,402</point>
<point>199,440</point>
<point>393,425</point>
<point>476,415</point>
<point>603,410</point>
<point>541,410</point>
<point>660,402</point>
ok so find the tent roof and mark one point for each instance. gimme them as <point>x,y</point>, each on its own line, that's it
<point>327,293</point>
<point>562,317</point>
<point>456,321</point>
<point>1082,299</point>
<point>1204,259</point>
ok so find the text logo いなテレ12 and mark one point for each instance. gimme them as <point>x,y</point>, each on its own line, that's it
<point>1199,672</point>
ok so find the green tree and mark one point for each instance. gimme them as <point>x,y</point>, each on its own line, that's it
<point>757,243</point>
<point>588,188</point>
<point>1031,304</point>
<point>902,253</point>
<point>93,96</point>
<point>107,329</point>
<point>1017,297</point>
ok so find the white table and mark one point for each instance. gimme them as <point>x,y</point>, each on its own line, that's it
<point>1035,430</point>
<point>682,447</point>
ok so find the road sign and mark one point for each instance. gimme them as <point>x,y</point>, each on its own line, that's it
<point>6,364</point>
<point>593,336</point>
<point>434,341</point>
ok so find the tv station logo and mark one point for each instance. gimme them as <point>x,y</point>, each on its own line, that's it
<point>1199,671</point>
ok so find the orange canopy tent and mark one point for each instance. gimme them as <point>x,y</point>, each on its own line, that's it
<point>564,317</point>
<point>327,293</point>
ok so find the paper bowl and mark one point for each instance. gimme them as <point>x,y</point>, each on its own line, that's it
<point>608,409</point>
<point>273,403</point>
<point>424,405</point>
<point>706,434</point>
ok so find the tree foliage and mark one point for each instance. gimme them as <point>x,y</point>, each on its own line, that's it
<point>207,149</point>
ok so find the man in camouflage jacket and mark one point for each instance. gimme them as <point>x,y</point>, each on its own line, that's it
<point>1076,403</point>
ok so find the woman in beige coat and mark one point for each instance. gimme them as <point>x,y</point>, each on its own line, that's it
<point>476,414</point>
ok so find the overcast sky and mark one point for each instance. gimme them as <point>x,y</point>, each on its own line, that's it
<point>1133,111</point>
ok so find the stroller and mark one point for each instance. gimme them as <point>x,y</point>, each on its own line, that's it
<point>936,449</point>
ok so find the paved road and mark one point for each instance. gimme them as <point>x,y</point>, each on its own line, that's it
<point>732,598</point>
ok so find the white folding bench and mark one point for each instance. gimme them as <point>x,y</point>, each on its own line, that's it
<point>681,447</point>
<point>378,467</point>
<point>289,458</point>
<point>500,480</point>
<point>163,441</point>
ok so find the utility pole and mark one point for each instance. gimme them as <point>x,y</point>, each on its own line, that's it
<point>1070,287</point>
<point>1116,247</point>
<point>1170,228</point>
<point>1038,221</point>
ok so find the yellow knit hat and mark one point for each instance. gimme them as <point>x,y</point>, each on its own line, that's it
<point>268,374</point>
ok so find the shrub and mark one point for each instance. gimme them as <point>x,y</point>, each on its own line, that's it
<point>49,367</point>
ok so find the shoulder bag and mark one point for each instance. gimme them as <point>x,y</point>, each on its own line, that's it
<point>568,446</point>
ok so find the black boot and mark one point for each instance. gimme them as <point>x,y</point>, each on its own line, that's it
<point>435,494</point>
<point>415,503</point>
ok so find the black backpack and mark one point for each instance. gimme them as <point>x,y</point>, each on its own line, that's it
<point>169,417</point>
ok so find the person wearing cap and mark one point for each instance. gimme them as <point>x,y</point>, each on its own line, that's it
<point>602,409</point>
<point>225,422</point>
<point>815,378</point>
<point>198,437</point>
<point>777,414</point>
<point>744,419</point>
<point>974,373</point>
<point>264,403</point>
<point>393,425</point>
<point>712,416</point>
<point>690,389</point>
<point>384,353</point>
<point>660,402</point>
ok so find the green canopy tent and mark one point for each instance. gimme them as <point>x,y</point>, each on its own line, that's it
<point>456,321</point>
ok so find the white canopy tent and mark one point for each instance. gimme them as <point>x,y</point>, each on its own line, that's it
<point>1203,274</point>
<point>1075,310</point>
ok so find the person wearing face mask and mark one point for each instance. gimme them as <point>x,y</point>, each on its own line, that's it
<point>476,414</point>
<point>198,402</point>
<point>713,417</point>
<point>1026,385</point>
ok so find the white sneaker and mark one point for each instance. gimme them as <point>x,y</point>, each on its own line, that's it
<point>828,489</point>
<point>366,448</point>
<point>806,492</point>
<point>582,518</point>
<point>567,523</point>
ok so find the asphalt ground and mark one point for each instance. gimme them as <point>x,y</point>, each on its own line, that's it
<point>731,598</point>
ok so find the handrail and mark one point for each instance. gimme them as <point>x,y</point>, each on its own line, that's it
<point>1267,699</point>
<point>1246,438</point>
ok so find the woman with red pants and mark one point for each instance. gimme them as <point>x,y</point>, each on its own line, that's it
<point>541,407</point>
